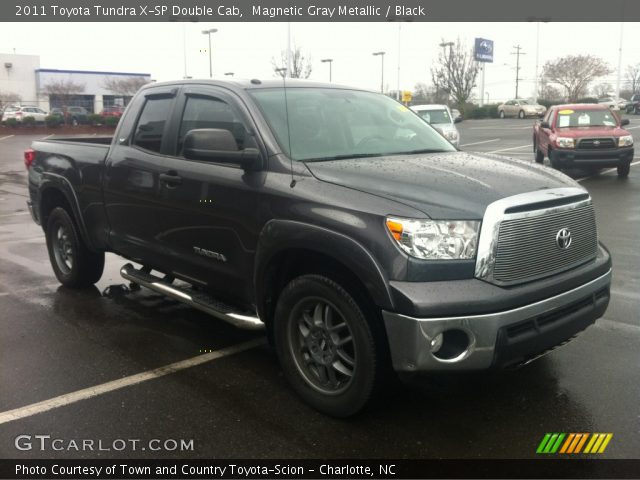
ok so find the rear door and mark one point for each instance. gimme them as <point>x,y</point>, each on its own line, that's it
<point>209,223</point>
<point>134,175</point>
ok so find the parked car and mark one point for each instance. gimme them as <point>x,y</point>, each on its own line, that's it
<point>457,116</point>
<point>339,221</point>
<point>76,115</point>
<point>633,106</point>
<point>440,118</point>
<point>520,108</point>
<point>57,112</point>
<point>113,111</point>
<point>614,103</point>
<point>583,135</point>
<point>19,112</point>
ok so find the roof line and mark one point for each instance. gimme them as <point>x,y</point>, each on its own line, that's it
<point>92,72</point>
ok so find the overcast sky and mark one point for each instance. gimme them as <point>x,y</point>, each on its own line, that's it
<point>247,48</point>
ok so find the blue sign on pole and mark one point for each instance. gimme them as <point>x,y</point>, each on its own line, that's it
<point>483,51</point>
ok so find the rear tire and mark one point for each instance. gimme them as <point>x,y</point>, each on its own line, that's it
<point>328,351</point>
<point>521,114</point>
<point>74,265</point>
<point>623,170</point>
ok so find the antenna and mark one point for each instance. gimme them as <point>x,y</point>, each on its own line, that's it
<point>283,72</point>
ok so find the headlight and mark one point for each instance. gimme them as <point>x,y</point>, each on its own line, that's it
<point>451,135</point>
<point>564,142</point>
<point>625,141</point>
<point>435,239</point>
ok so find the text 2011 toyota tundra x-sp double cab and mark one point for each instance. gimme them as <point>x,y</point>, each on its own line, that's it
<point>334,217</point>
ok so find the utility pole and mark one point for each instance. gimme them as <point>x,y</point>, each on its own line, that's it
<point>381,55</point>
<point>517,53</point>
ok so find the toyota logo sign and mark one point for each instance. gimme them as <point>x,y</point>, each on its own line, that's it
<point>563,238</point>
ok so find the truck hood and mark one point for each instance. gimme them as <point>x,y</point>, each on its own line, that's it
<point>450,185</point>
<point>582,132</point>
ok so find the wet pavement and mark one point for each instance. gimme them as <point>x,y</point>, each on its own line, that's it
<point>55,341</point>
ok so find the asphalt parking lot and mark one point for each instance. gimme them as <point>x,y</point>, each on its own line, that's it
<point>70,360</point>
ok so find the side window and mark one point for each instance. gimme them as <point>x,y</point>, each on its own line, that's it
<point>210,112</point>
<point>150,128</point>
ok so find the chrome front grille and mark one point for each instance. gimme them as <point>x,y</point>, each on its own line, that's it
<point>596,143</point>
<point>527,248</point>
<point>519,240</point>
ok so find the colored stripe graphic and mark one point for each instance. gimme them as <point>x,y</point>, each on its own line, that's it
<point>573,443</point>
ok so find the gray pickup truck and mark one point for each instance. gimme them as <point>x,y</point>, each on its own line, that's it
<point>334,218</point>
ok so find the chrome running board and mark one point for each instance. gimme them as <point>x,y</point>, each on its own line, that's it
<point>200,300</point>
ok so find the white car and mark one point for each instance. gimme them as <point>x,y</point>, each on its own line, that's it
<point>614,103</point>
<point>520,108</point>
<point>19,113</point>
<point>440,118</point>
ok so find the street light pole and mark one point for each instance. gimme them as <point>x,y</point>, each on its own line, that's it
<point>381,54</point>
<point>208,33</point>
<point>330,62</point>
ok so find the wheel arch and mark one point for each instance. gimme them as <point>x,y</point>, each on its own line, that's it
<point>287,249</point>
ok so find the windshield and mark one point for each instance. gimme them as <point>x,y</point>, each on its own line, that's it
<point>586,118</point>
<point>330,123</point>
<point>435,116</point>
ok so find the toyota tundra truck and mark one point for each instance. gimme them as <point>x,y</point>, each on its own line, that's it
<point>335,219</point>
<point>584,136</point>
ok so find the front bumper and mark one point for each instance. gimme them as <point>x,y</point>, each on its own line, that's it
<point>591,158</point>
<point>497,339</point>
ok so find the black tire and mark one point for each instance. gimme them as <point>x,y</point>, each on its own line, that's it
<point>73,263</point>
<point>74,121</point>
<point>636,110</point>
<point>313,316</point>
<point>521,114</point>
<point>538,155</point>
<point>501,114</point>
<point>623,170</point>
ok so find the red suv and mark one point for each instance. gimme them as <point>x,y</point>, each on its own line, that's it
<point>583,135</point>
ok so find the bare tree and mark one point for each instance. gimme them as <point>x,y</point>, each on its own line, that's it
<point>423,93</point>
<point>7,98</point>
<point>575,73</point>
<point>300,63</point>
<point>549,93</point>
<point>633,77</point>
<point>126,86</point>
<point>63,90</point>
<point>455,72</point>
<point>602,90</point>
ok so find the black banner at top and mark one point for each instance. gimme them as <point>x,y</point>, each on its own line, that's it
<point>319,11</point>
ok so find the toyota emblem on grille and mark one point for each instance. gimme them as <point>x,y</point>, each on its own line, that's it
<point>563,238</point>
<point>596,142</point>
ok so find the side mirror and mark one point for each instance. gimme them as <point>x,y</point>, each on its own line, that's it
<point>544,124</point>
<point>218,145</point>
<point>624,121</point>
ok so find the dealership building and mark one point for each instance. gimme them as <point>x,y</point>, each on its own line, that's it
<point>23,82</point>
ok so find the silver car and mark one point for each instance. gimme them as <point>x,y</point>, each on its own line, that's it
<point>440,118</point>
<point>520,108</point>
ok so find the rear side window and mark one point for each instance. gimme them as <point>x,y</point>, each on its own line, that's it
<point>210,112</point>
<point>150,128</point>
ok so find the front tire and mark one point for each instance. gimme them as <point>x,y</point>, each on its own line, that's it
<point>74,265</point>
<point>521,114</point>
<point>501,114</point>
<point>327,348</point>
<point>539,156</point>
<point>623,170</point>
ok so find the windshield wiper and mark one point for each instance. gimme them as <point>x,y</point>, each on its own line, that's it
<point>343,157</point>
<point>424,150</point>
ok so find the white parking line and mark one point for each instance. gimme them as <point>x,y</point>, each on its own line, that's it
<point>62,400</point>
<point>478,143</point>
<point>7,136</point>
<point>48,136</point>
<point>603,171</point>
<point>632,128</point>
<point>528,145</point>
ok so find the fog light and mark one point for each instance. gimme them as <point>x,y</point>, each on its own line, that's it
<point>436,343</point>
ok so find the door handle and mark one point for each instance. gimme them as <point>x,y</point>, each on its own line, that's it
<point>170,178</point>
